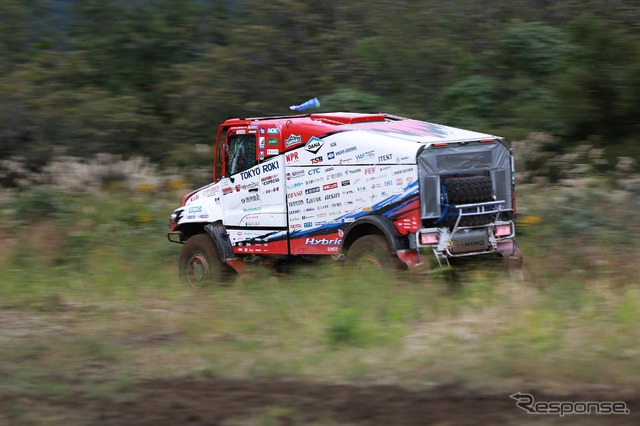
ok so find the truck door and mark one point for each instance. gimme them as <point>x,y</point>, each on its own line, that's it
<point>254,193</point>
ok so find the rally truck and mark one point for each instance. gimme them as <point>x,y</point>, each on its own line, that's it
<point>369,190</point>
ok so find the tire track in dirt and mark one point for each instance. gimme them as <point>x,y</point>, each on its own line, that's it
<point>214,401</point>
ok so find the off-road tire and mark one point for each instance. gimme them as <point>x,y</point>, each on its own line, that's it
<point>372,253</point>
<point>200,262</point>
<point>468,189</point>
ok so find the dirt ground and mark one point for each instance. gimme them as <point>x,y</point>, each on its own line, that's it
<point>214,401</point>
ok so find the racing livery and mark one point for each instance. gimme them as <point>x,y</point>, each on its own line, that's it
<point>369,189</point>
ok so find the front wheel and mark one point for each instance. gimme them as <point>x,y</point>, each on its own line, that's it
<point>372,252</point>
<point>200,262</point>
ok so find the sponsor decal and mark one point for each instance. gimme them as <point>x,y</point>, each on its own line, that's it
<point>332,196</point>
<point>251,209</point>
<point>365,155</point>
<point>330,186</point>
<point>314,145</point>
<point>195,209</point>
<point>241,132</point>
<point>250,199</point>
<point>312,190</point>
<point>292,140</point>
<point>345,151</point>
<point>349,220</point>
<point>313,200</point>
<point>399,159</point>
<point>269,167</point>
<point>272,131</point>
<point>362,188</point>
<point>367,209</point>
<point>204,216</point>
<point>322,241</point>
<point>335,175</point>
<point>269,191</point>
<point>295,194</point>
<point>292,157</point>
<point>369,171</point>
<point>295,203</point>
<point>210,191</point>
<point>272,141</point>
<point>250,173</point>
<point>294,212</point>
<point>262,130</point>
<point>272,152</point>
<point>322,208</point>
<point>191,216</point>
<point>345,160</point>
<point>353,171</point>
<point>334,143</point>
<point>331,155</point>
<point>261,155</point>
<point>334,205</point>
<point>399,181</point>
<point>310,209</point>
<point>386,157</point>
<point>294,175</point>
<point>345,183</point>
<point>316,160</point>
<point>271,182</point>
<point>388,183</point>
<point>294,185</point>
<point>328,169</point>
<point>266,178</point>
<point>314,171</point>
<point>308,224</point>
<point>399,172</point>
<point>296,226</point>
<point>320,223</point>
<point>227,190</point>
<point>261,142</point>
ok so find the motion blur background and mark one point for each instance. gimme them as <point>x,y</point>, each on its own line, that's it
<point>156,77</point>
<point>108,110</point>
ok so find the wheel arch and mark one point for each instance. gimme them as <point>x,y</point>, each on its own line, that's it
<point>215,230</point>
<point>369,225</point>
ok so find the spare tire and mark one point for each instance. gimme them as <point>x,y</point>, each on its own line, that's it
<point>468,189</point>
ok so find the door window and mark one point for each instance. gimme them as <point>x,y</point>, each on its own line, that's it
<point>242,150</point>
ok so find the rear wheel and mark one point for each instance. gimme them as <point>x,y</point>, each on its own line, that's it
<point>200,262</point>
<point>372,253</point>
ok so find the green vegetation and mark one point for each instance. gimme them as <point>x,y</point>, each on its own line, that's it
<point>147,77</point>
<point>90,304</point>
